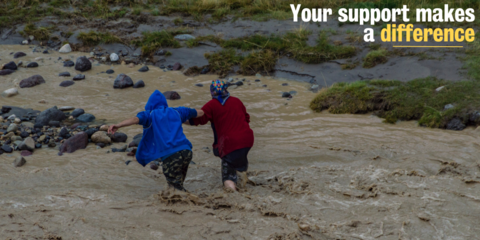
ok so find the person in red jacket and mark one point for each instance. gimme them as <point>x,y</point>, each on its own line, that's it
<point>233,137</point>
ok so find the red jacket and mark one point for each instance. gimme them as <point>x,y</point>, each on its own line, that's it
<point>230,124</point>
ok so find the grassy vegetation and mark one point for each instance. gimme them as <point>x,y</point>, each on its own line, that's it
<point>40,34</point>
<point>413,100</point>
<point>375,57</point>
<point>258,61</point>
<point>223,61</point>
<point>152,41</point>
<point>93,38</point>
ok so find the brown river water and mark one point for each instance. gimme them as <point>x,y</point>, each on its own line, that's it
<point>312,175</point>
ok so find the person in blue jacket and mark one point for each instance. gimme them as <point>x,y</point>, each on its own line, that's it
<point>163,138</point>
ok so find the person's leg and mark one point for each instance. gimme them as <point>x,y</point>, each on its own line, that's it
<point>172,169</point>
<point>186,159</point>
<point>229,176</point>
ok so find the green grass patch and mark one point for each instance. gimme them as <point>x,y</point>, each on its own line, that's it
<point>93,38</point>
<point>223,61</point>
<point>258,62</point>
<point>395,100</point>
<point>40,34</point>
<point>375,57</point>
<point>152,41</point>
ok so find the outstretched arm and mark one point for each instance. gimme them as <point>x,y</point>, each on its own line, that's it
<point>200,113</point>
<point>125,123</point>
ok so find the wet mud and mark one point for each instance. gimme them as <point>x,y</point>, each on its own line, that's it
<point>311,175</point>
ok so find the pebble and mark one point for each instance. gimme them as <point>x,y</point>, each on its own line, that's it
<point>66,108</point>
<point>19,161</point>
<point>65,48</point>
<point>139,84</point>
<point>110,71</point>
<point>79,77</point>
<point>10,92</point>
<point>114,57</point>
<point>143,69</point>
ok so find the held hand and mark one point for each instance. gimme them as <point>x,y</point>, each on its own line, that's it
<point>200,113</point>
<point>112,129</point>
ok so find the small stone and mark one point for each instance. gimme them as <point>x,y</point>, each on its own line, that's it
<point>7,148</point>
<point>79,77</point>
<point>160,52</point>
<point>257,80</point>
<point>284,84</point>
<point>31,37</point>
<point>103,128</point>
<point>68,64</point>
<point>17,120</point>
<point>65,48</point>
<point>25,153</point>
<point>12,128</point>
<point>127,162</point>
<point>19,54</point>
<point>6,72</point>
<point>184,37</point>
<point>64,74</point>
<point>122,81</point>
<point>86,117</point>
<point>66,83</point>
<point>119,137</point>
<point>439,88</point>
<point>77,112</point>
<point>45,51</point>
<point>448,106</point>
<point>139,84</point>
<point>114,57</point>
<point>32,65</point>
<point>38,145</point>
<point>27,144</point>
<point>286,95</point>
<point>52,145</point>
<point>199,85</point>
<point>19,161</point>
<point>25,42</point>
<point>143,69</point>
<point>83,64</point>
<point>39,59</point>
<point>110,71</point>
<point>66,108</point>
<point>10,92</point>
<point>171,95</point>
<point>20,63</point>
<point>101,137</point>
<point>31,81</point>
<point>177,66</point>
<point>10,65</point>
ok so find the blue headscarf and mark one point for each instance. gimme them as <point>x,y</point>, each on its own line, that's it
<point>218,89</point>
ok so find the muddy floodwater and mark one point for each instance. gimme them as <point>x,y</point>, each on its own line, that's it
<point>311,175</point>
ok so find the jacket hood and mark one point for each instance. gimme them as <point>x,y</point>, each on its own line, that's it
<point>157,100</point>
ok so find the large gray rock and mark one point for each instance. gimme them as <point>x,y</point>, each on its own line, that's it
<point>79,141</point>
<point>31,81</point>
<point>27,144</point>
<point>10,65</point>
<point>86,117</point>
<point>51,114</point>
<point>19,161</point>
<point>122,81</point>
<point>101,137</point>
<point>83,64</point>
<point>77,112</point>
<point>456,124</point>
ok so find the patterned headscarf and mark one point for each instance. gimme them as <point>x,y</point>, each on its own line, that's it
<point>218,89</point>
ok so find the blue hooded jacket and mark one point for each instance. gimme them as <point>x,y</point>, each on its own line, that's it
<point>162,129</point>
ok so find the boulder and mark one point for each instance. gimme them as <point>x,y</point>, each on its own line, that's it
<point>27,144</point>
<point>455,124</point>
<point>6,72</point>
<point>10,92</point>
<point>119,137</point>
<point>65,48</point>
<point>177,66</point>
<point>63,132</point>
<point>171,95</point>
<point>122,81</point>
<point>79,141</point>
<point>139,84</point>
<point>31,81</point>
<point>10,65</point>
<point>83,64</point>
<point>114,57</point>
<point>64,74</point>
<point>19,54</point>
<point>77,112</point>
<point>143,69</point>
<point>6,148</point>
<point>79,77</point>
<point>67,83</point>
<point>136,140</point>
<point>19,161</point>
<point>51,114</point>
<point>25,153</point>
<point>32,65</point>
<point>101,137</point>
<point>86,117</point>
<point>68,63</point>
<point>12,128</point>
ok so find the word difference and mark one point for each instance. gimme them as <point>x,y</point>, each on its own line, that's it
<point>392,33</point>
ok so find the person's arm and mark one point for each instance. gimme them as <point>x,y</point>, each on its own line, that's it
<point>125,123</point>
<point>247,116</point>
<point>200,113</point>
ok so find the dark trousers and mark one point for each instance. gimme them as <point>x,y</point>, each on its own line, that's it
<point>175,168</point>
